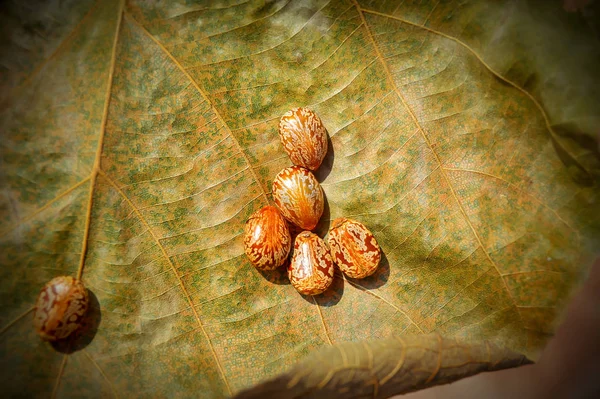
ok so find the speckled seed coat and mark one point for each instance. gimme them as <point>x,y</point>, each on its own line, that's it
<point>311,268</point>
<point>299,196</point>
<point>304,137</point>
<point>267,240</point>
<point>354,249</point>
<point>60,308</point>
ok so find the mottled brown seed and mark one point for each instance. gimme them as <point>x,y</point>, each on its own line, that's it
<point>60,308</point>
<point>304,137</point>
<point>354,249</point>
<point>267,240</point>
<point>311,268</point>
<point>299,196</point>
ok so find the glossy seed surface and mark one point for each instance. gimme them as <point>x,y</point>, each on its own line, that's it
<point>311,268</point>
<point>354,249</point>
<point>304,137</point>
<point>267,240</point>
<point>299,196</point>
<point>60,308</point>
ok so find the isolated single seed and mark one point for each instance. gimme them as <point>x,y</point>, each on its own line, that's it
<point>311,268</point>
<point>354,249</point>
<point>267,240</point>
<point>60,308</point>
<point>304,137</point>
<point>299,196</point>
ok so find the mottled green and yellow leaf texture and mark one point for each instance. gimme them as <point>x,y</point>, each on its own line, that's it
<point>138,136</point>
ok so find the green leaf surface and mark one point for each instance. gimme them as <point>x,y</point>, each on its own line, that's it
<point>138,136</point>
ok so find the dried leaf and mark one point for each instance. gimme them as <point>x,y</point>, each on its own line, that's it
<point>138,136</point>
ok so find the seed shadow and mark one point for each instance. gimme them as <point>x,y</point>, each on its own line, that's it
<point>377,279</point>
<point>330,297</point>
<point>324,223</point>
<point>294,231</point>
<point>277,276</point>
<point>85,335</point>
<point>327,164</point>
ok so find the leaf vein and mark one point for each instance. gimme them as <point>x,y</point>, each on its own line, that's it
<point>183,288</point>
<point>445,177</point>
<point>498,75</point>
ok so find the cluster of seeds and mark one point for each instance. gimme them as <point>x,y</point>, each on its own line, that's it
<point>63,302</point>
<point>299,200</point>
